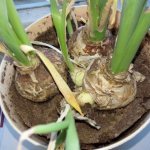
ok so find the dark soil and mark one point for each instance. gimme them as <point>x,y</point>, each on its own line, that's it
<point>113,123</point>
<point>48,37</point>
<point>33,113</point>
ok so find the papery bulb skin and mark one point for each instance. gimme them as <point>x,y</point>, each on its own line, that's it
<point>110,91</point>
<point>39,85</point>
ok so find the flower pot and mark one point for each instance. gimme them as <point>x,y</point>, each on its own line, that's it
<point>6,76</point>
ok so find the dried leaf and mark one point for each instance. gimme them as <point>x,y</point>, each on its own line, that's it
<point>62,85</point>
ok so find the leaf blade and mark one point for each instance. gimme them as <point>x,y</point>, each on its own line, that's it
<point>16,23</point>
<point>72,140</point>
<point>62,85</point>
<point>133,9</point>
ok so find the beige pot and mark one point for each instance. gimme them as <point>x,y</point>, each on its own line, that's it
<point>6,76</point>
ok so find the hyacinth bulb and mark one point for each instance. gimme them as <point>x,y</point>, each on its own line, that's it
<point>40,85</point>
<point>109,91</point>
<point>80,45</point>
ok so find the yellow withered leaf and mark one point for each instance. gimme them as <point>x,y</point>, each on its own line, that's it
<point>62,85</point>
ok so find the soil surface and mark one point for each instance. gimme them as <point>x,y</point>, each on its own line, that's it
<point>113,122</point>
<point>33,113</point>
<point>48,37</point>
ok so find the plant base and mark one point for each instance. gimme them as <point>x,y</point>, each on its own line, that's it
<point>44,86</point>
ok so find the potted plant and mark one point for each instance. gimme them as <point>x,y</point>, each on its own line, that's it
<point>106,83</point>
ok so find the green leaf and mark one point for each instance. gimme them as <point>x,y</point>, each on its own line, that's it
<point>16,23</point>
<point>59,20</point>
<point>134,43</point>
<point>67,130</point>
<point>102,4</point>
<point>72,140</point>
<point>61,138</point>
<point>95,14</point>
<point>3,13</point>
<point>131,13</point>
<point>5,26</point>
<point>130,16</point>
<point>9,38</point>
<point>56,126</point>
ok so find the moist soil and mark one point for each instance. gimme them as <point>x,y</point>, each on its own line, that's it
<point>114,123</point>
<point>48,37</point>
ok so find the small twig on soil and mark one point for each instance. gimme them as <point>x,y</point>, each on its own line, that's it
<point>77,116</point>
<point>87,120</point>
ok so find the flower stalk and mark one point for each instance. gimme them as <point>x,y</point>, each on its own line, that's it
<point>59,20</point>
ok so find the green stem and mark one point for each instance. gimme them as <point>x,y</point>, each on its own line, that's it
<point>72,140</point>
<point>45,129</point>
<point>59,19</point>
<point>95,14</point>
